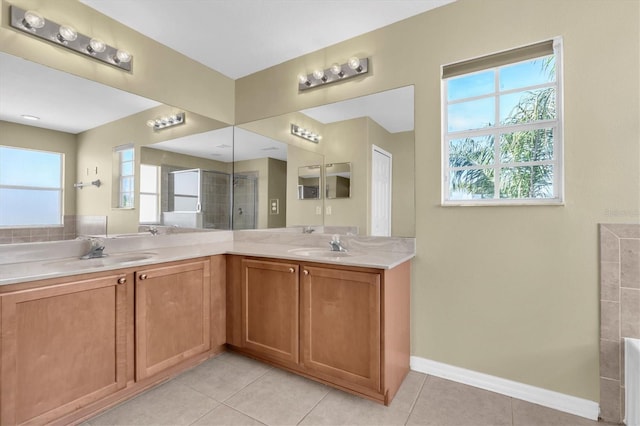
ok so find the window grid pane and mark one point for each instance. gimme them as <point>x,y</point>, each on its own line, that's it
<point>523,164</point>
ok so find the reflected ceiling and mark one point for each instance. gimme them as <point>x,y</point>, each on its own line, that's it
<point>80,104</point>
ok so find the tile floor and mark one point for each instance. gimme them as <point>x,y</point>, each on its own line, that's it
<point>233,390</point>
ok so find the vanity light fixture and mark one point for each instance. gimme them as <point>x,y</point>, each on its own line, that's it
<point>305,134</point>
<point>166,121</point>
<point>33,23</point>
<point>336,72</point>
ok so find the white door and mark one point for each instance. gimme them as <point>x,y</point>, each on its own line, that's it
<point>381,162</point>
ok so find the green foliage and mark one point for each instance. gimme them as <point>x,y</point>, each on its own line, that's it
<point>515,147</point>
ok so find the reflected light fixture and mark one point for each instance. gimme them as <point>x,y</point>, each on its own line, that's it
<point>336,72</point>
<point>305,134</point>
<point>33,23</point>
<point>166,121</point>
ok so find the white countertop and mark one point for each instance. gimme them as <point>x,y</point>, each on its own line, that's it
<point>363,252</point>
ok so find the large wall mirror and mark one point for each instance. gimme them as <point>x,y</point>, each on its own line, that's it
<point>356,136</point>
<point>86,122</point>
<point>247,176</point>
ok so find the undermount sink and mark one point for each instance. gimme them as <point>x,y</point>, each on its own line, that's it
<point>107,260</point>
<point>319,252</point>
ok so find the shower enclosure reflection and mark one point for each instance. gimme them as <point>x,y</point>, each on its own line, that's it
<point>195,198</point>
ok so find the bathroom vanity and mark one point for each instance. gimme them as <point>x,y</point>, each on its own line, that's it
<point>91,333</point>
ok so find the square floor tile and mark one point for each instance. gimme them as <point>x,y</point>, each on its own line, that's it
<point>409,390</point>
<point>528,414</point>
<point>223,376</point>
<point>341,408</point>
<point>226,416</point>
<point>443,402</point>
<point>278,398</point>
<point>168,404</point>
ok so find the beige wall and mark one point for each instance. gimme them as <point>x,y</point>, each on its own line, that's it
<point>20,136</point>
<point>508,291</point>
<point>158,73</point>
<point>344,142</point>
<point>301,212</point>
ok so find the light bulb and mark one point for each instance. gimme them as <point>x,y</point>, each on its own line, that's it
<point>96,46</point>
<point>354,63</point>
<point>319,74</point>
<point>336,69</point>
<point>151,123</point>
<point>302,78</point>
<point>33,20</point>
<point>122,56</point>
<point>66,33</point>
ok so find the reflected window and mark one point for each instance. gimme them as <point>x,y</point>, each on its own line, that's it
<point>30,187</point>
<point>149,194</point>
<point>126,176</point>
<point>503,127</point>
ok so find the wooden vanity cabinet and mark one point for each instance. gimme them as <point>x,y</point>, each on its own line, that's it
<point>270,293</point>
<point>173,308</point>
<point>63,346</point>
<point>349,325</point>
<point>340,323</point>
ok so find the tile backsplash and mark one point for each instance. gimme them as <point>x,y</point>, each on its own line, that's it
<point>73,226</point>
<point>619,311</point>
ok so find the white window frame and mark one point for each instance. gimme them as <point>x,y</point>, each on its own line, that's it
<point>156,194</point>
<point>122,177</point>
<point>59,188</point>
<point>557,125</point>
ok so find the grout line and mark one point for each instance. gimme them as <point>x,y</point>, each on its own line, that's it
<point>513,419</point>
<point>269,368</point>
<point>207,413</point>
<point>313,408</point>
<point>415,401</point>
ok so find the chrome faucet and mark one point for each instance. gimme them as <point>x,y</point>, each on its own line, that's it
<point>307,229</point>
<point>153,230</point>
<point>336,245</point>
<point>96,249</point>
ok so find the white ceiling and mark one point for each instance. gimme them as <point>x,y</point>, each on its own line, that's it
<point>240,37</point>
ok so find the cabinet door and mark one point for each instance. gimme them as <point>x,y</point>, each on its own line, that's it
<point>172,315</point>
<point>340,322</point>
<point>270,309</point>
<point>63,347</point>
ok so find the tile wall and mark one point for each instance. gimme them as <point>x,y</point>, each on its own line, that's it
<point>73,226</point>
<point>619,311</point>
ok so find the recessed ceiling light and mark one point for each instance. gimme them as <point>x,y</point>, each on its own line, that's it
<point>30,117</point>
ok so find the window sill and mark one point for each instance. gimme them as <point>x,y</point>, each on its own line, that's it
<point>503,203</point>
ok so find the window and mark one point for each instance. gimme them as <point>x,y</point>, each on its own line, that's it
<point>30,187</point>
<point>502,128</point>
<point>126,176</point>
<point>149,194</point>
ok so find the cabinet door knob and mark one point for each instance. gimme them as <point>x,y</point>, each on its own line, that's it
<point>143,276</point>
<point>291,270</point>
<point>305,272</point>
<point>122,280</point>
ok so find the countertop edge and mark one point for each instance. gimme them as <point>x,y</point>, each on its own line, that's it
<point>377,260</point>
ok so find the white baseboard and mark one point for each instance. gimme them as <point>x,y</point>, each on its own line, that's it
<point>556,400</point>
